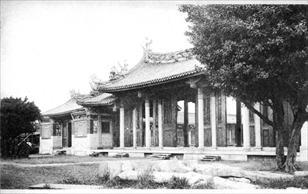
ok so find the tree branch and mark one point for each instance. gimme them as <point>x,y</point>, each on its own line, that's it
<point>251,108</point>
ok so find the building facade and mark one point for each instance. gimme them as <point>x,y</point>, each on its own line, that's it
<point>163,105</point>
<point>148,102</point>
<point>79,126</point>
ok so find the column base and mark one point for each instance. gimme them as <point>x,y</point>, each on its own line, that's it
<point>258,148</point>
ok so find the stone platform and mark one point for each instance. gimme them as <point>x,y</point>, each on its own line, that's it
<point>192,153</point>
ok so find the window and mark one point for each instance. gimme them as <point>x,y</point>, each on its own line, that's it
<point>46,131</point>
<point>56,129</point>
<point>251,117</point>
<point>105,127</point>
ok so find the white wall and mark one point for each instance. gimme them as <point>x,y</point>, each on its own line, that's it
<point>46,146</point>
<point>106,140</point>
<point>57,141</point>
<point>80,145</point>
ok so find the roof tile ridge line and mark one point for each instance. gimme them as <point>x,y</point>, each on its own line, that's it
<point>61,105</point>
<point>171,52</point>
<point>159,79</point>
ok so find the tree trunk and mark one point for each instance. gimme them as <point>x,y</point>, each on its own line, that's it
<point>293,142</point>
<point>278,117</point>
<point>280,159</point>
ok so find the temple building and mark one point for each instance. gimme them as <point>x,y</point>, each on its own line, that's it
<point>82,124</point>
<point>163,105</point>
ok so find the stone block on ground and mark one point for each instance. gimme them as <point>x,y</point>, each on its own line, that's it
<point>171,166</point>
<point>192,178</point>
<point>264,175</point>
<point>221,183</point>
<point>129,175</point>
<point>217,169</point>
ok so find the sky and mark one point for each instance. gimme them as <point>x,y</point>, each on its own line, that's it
<point>49,48</point>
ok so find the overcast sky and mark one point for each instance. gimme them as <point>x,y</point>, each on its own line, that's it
<point>49,48</point>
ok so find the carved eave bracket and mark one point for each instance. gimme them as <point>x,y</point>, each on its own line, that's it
<point>197,82</point>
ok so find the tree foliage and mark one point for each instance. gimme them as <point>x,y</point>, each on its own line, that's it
<point>256,53</point>
<point>17,117</point>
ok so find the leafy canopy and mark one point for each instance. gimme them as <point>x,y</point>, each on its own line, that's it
<point>257,53</point>
<point>18,116</point>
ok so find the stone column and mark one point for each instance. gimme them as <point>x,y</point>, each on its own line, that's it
<point>122,126</point>
<point>147,124</point>
<point>257,127</point>
<point>213,120</point>
<point>245,122</point>
<point>200,118</point>
<point>134,127</point>
<point>99,130</point>
<point>189,138</point>
<point>154,138</point>
<point>160,124</point>
<point>304,143</point>
<point>185,126</point>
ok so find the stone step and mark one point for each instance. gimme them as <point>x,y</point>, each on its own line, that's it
<point>161,156</point>
<point>121,155</point>
<point>211,158</point>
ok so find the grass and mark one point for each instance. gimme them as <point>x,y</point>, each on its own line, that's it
<point>298,182</point>
<point>14,177</point>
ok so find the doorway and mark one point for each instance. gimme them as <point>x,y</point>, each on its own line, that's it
<point>67,134</point>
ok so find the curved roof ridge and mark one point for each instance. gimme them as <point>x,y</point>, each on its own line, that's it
<point>171,52</point>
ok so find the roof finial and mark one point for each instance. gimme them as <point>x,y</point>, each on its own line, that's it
<point>147,47</point>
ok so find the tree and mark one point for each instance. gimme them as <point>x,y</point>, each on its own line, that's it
<point>17,117</point>
<point>256,53</point>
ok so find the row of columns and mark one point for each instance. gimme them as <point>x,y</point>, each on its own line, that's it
<point>147,125</point>
<point>245,122</point>
<point>200,98</point>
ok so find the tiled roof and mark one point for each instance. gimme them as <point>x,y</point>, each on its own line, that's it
<point>65,108</point>
<point>102,99</point>
<point>155,68</point>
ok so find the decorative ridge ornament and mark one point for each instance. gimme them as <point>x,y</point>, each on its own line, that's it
<point>172,57</point>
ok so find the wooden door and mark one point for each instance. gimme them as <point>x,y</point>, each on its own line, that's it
<point>221,119</point>
<point>207,120</point>
<point>69,133</point>
<point>169,122</point>
<point>65,134</point>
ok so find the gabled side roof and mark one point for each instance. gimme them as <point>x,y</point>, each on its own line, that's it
<point>63,109</point>
<point>75,104</point>
<point>154,69</point>
<point>99,100</point>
